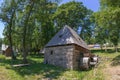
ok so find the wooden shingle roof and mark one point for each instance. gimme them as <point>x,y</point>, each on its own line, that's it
<point>66,36</point>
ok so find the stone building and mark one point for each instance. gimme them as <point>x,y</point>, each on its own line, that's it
<point>66,49</point>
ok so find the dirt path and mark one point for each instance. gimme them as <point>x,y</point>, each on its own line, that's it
<point>112,72</point>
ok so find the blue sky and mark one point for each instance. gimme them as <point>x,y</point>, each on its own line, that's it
<point>1,24</point>
<point>90,4</point>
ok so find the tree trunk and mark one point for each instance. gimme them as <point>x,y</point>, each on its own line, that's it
<point>10,36</point>
<point>105,48</point>
<point>116,50</point>
<point>101,47</point>
<point>24,46</point>
<point>25,52</point>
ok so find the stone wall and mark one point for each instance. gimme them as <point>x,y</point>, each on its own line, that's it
<point>65,56</point>
<point>60,56</point>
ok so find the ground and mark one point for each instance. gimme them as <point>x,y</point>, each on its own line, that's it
<point>113,72</point>
<point>107,69</point>
<point>111,62</point>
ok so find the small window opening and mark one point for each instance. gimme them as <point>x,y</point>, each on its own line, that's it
<point>51,52</point>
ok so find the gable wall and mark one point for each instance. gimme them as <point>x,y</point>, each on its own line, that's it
<point>60,56</point>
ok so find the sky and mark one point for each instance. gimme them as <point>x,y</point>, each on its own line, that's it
<point>90,4</point>
<point>1,24</point>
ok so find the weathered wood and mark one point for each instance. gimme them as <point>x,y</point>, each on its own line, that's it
<point>20,65</point>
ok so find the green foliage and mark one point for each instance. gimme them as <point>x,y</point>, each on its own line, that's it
<point>76,16</point>
<point>0,43</point>
<point>29,24</point>
<point>71,13</point>
<point>8,16</point>
<point>108,19</point>
<point>40,26</point>
<point>100,37</point>
<point>108,3</point>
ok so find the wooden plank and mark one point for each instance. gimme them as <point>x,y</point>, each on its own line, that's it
<point>20,65</point>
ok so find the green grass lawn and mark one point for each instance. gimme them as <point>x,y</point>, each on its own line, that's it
<point>37,70</point>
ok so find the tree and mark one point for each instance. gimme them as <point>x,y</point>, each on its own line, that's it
<point>26,18</point>
<point>108,18</point>
<point>36,24</point>
<point>87,27</point>
<point>7,15</point>
<point>29,23</point>
<point>46,12</point>
<point>70,13</point>
<point>76,16</point>
<point>0,43</point>
<point>100,36</point>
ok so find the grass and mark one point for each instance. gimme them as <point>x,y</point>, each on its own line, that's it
<point>38,70</point>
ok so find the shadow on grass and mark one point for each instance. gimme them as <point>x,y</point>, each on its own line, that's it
<point>36,67</point>
<point>39,69</point>
<point>116,61</point>
<point>37,55</point>
<point>48,71</point>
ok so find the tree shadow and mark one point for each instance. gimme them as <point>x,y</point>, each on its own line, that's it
<point>48,71</point>
<point>37,55</point>
<point>36,67</point>
<point>116,61</point>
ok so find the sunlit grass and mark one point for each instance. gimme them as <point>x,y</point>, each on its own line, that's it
<point>37,70</point>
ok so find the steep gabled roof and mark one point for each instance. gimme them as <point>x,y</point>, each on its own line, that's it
<point>66,36</point>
